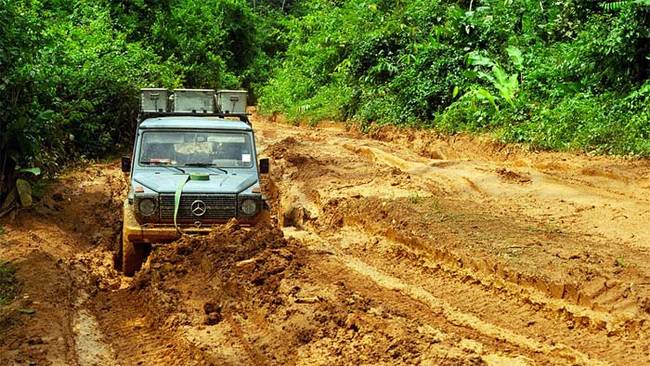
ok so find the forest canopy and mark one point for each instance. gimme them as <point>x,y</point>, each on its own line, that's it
<point>560,74</point>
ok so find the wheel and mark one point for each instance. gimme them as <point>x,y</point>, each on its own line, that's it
<point>263,218</point>
<point>133,256</point>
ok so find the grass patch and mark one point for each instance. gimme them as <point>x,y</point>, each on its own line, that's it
<point>415,198</point>
<point>8,283</point>
<point>620,262</point>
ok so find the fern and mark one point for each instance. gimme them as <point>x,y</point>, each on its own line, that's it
<point>506,84</point>
<point>617,5</point>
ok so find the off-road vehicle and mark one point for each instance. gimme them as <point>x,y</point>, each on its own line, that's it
<point>194,165</point>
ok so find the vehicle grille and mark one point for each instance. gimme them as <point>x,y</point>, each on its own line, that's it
<point>218,207</point>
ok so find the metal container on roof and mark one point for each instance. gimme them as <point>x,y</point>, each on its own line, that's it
<point>154,99</point>
<point>232,101</point>
<point>159,102</point>
<point>194,100</point>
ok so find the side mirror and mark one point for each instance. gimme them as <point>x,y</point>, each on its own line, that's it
<point>264,166</point>
<point>126,164</point>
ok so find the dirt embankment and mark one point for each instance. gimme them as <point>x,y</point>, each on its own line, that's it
<point>401,249</point>
<point>61,250</point>
<point>536,243</point>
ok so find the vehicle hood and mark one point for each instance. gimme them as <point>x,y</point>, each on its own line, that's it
<point>165,182</point>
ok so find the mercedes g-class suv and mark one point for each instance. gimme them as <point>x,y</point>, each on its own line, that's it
<point>193,166</point>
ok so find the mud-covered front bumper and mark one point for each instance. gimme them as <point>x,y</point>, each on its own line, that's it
<point>134,232</point>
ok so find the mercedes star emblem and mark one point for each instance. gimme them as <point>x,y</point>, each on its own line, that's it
<point>198,208</point>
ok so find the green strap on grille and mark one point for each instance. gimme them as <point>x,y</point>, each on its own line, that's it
<point>179,192</point>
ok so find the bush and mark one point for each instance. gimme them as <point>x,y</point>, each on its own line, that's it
<point>555,74</point>
<point>71,70</point>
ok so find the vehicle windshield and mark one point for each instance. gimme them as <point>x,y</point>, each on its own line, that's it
<point>176,148</point>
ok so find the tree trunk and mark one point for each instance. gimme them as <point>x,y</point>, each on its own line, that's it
<point>7,175</point>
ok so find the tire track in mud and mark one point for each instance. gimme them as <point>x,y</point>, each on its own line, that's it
<point>468,320</point>
<point>256,357</point>
<point>533,313</point>
<point>493,314</point>
<point>468,342</point>
<point>135,340</point>
<point>90,345</point>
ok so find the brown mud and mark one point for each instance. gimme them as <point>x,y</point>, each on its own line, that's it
<point>398,247</point>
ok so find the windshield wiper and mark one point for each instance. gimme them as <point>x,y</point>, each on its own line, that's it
<point>163,166</point>
<point>206,165</point>
<point>175,167</point>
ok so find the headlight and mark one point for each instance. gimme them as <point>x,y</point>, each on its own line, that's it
<point>147,206</point>
<point>248,207</point>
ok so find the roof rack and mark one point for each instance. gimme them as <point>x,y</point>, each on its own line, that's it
<point>242,116</point>
<point>160,102</point>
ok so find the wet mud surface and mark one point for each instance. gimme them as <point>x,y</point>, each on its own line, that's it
<point>399,247</point>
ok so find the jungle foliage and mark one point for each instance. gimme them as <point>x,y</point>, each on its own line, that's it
<point>560,74</point>
<point>70,71</point>
<point>557,74</point>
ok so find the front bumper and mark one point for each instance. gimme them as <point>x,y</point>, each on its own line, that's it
<point>134,232</point>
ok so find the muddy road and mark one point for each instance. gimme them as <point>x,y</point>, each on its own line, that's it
<point>397,247</point>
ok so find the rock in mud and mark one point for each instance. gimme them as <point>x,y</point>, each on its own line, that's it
<point>210,307</point>
<point>213,318</point>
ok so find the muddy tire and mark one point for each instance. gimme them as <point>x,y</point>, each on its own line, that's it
<point>263,218</point>
<point>133,256</point>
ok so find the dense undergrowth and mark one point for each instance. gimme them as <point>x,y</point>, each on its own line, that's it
<point>564,74</point>
<point>557,74</point>
<point>70,70</point>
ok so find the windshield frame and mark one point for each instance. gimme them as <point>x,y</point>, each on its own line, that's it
<point>248,135</point>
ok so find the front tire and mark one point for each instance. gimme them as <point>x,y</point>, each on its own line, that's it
<point>133,256</point>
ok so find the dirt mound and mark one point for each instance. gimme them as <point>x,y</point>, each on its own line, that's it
<point>197,283</point>
<point>508,175</point>
<point>252,296</point>
<point>217,268</point>
<point>308,166</point>
<point>281,148</point>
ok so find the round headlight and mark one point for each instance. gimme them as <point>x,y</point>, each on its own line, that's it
<point>248,207</point>
<point>147,206</point>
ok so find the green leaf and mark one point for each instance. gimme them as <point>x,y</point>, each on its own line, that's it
<point>484,94</point>
<point>35,171</point>
<point>486,76</point>
<point>516,57</point>
<point>500,76</point>
<point>24,192</point>
<point>476,59</point>
<point>455,92</point>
